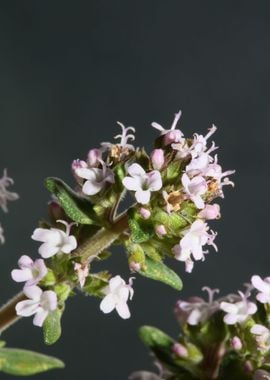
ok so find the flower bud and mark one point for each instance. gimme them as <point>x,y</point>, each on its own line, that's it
<point>144,213</point>
<point>173,136</point>
<point>180,350</point>
<point>94,156</point>
<point>134,267</point>
<point>157,159</point>
<point>160,230</point>
<point>210,212</point>
<point>236,343</point>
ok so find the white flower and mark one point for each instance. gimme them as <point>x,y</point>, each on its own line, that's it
<point>5,195</point>
<point>117,295</point>
<point>263,285</point>
<point>239,311</point>
<point>31,272</point>
<point>142,183</point>
<point>124,137</point>
<point>171,135</point>
<point>195,237</point>
<point>196,309</point>
<point>262,336</point>
<point>96,178</point>
<point>55,240</point>
<point>199,165</point>
<point>194,189</point>
<point>39,304</point>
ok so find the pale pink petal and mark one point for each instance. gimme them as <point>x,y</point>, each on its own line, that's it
<point>230,319</point>
<point>259,284</point>
<point>132,184</point>
<point>47,250</point>
<point>123,310</point>
<point>263,298</point>
<point>21,275</point>
<point>143,196</point>
<point>92,187</point>
<point>25,262</point>
<point>124,293</point>
<point>199,203</point>
<point>185,181</point>
<point>228,307</point>
<point>107,304</point>
<point>85,173</point>
<point>33,292</point>
<point>259,329</point>
<point>45,235</point>
<point>26,308</point>
<point>40,266</point>
<point>115,282</point>
<point>40,317</point>
<point>135,170</point>
<point>194,317</point>
<point>154,180</point>
<point>49,300</point>
<point>251,308</point>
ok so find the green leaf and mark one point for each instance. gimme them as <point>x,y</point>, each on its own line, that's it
<point>24,363</point>
<point>52,327</point>
<point>153,337</point>
<point>172,173</point>
<point>77,208</point>
<point>140,229</point>
<point>160,272</point>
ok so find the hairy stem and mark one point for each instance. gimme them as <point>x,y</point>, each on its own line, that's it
<point>90,248</point>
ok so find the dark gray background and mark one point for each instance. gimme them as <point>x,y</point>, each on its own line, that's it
<point>68,71</point>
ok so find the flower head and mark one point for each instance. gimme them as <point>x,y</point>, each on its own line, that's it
<point>263,285</point>
<point>55,240</point>
<point>195,237</point>
<point>30,272</point>
<point>142,183</point>
<point>117,295</point>
<point>39,304</point>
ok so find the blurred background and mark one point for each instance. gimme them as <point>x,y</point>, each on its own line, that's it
<point>68,71</point>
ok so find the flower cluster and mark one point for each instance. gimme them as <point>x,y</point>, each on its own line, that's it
<point>5,197</point>
<point>234,330</point>
<point>173,188</point>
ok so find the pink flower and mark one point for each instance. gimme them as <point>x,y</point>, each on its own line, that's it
<point>96,178</point>
<point>31,272</point>
<point>263,286</point>
<point>171,135</point>
<point>196,309</point>
<point>194,189</point>
<point>142,183</point>
<point>117,295</point>
<point>144,213</point>
<point>239,311</point>
<point>262,334</point>
<point>195,237</point>
<point>39,304</point>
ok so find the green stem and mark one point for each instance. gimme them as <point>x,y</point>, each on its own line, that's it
<point>90,248</point>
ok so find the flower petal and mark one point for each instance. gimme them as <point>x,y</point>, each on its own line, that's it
<point>40,317</point>
<point>123,310</point>
<point>107,304</point>
<point>21,275</point>
<point>143,196</point>
<point>135,170</point>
